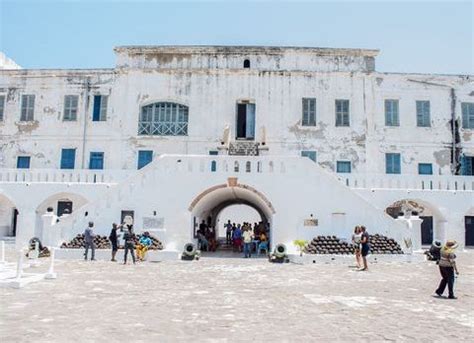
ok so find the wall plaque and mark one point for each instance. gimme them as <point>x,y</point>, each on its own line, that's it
<point>153,223</point>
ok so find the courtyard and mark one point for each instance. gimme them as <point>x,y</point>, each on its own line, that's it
<point>227,299</point>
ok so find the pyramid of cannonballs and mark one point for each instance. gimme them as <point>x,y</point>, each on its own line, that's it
<point>333,245</point>
<point>103,242</point>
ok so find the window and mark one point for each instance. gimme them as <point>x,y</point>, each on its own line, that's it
<point>23,162</point>
<point>391,113</point>
<point>2,106</point>
<point>144,157</point>
<point>68,158</point>
<point>309,112</point>
<point>100,108</point>
<point>467,115</point>
<point>27,107</point>
<point>246,63</point>
<point>163,119</point>
<point>467,165</point>
<point>310,154</point>
<point>70,107</point>
<point>213,152</point>
<point>342,112</point>
<point>343,166</point>
<point>425,169</point>
<point>96,160</point>
<point>423,114</point>
<point>392,163</point>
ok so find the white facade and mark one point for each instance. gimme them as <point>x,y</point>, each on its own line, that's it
<point>213,85</point>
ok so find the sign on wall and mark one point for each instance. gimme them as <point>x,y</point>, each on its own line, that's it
<point>153,223</point>
<point>310,222</point>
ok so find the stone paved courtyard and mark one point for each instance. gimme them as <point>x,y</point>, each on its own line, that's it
<point>234,299</point>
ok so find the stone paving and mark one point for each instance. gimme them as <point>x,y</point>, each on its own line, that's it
<point>235,299</point>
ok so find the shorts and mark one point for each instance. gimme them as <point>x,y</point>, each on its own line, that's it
<point>114,246</point>
<point>365,250</point>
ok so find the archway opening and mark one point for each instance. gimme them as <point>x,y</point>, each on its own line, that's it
<point>432,226</point>
<point>8,217</point>
<point>210,211</point>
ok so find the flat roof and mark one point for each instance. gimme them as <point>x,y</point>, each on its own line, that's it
<point>242,49</point>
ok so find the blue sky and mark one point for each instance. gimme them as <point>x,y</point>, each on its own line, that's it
<point>427,37</point>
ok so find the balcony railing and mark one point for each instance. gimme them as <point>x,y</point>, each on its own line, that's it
<point>415,182</point>
<point>63,176</point>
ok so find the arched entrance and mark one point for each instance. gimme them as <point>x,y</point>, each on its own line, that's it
<point>432,227</point>
<point>210,203</point>
<point>8,217</point>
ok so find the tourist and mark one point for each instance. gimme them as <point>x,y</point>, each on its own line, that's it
<point>434,254</point>
<point>202,241</point>
<point>356,238</point>
<point>113,237</point>
<point>237,239</point>
<point>143,245</point>
<point>128,237</point>
<point>89,241</point>
<point>248,237</point>
<point>447,268</point>
<point>365,247</point>
<point>228,232</point>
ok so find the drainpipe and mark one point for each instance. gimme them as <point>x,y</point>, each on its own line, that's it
<point>456,138</point>
<point>86,115</point>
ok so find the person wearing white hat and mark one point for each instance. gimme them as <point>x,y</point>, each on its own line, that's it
<point>447,268</point>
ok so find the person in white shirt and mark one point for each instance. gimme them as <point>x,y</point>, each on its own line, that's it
<point>248,237</point>
<point>356,238</point>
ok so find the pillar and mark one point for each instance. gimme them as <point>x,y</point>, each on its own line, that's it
<point>51,234</point>
<point>25,226</point>
<point>413,224</point>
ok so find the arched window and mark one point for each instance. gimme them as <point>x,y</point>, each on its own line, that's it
<point>247,63</point>
<point>163,119</point>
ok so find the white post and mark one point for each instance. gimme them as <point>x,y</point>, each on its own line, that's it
<point>19,265</point>
<point>2,254</point>
<point>51,274</point>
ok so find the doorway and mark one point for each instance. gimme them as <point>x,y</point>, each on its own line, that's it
<point>469,226</point>
<point>426,230</point>
<point>245,121</point>
<point>14,221</point>
<point>63,206</point>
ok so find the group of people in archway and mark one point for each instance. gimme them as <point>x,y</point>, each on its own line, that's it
<point>244,237</point>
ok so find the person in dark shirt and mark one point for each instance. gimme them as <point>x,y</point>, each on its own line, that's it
<point>129,244</point>
<point>113,237</point>
<point>365,247</point>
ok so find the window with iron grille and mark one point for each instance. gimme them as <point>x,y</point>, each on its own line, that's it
<point>163,119</point>
<point>467,115</point>
<point>27,107</point>
<point>2,106</point>
<point>309,112</point>
<point>423,114</point>
<point>391,113</point>
<point>342,113</point>
<point>70,107</point>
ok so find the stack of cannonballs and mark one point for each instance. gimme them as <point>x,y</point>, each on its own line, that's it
<point>102,242</point>
<point>383,245</point>
<point>329,245</point>
<point>332,245</point>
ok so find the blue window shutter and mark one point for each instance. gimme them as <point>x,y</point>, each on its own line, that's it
<point>392,164</point>
<point>467,163</point>
<point>96,113</point>
<point>96,160</point>
<point>144,157</point>
<point>425,169</point>
<point>68,157</point>
<point>213,152</point>
<point>23,162</point>
<point>343,166</point>
<point>310,154</point>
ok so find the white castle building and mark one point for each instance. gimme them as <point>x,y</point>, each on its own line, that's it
<point>315,139</point>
